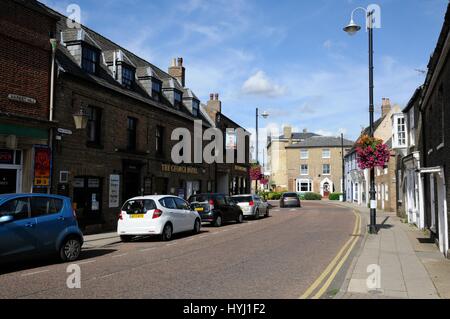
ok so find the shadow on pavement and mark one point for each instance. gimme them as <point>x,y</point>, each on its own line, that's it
<point>28,263</point>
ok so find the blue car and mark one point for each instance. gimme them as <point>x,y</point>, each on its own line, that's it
<point>36,225</point>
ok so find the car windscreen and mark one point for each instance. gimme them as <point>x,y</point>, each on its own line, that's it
<point>290,195</point>
<point>138,206</point>
<point>242,199</point>
<point>199,199</point>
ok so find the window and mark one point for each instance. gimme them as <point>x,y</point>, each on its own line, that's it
<point>440,106</point>
<point>131,133</point>
<point>195,107</point>
<point>401,131</point>
<point>220,200</point>
<point>41,206</point>
<point>156,90</point>
<point>177,99</point>
<point>304,154</point>
<point>181,204</point>
<point>326,169</point>
<point>127,77</point>
<point>90,60</point>
<point>168,202</point>
<point>18,208</point>
<point>304,169</point>
<point>159,139</point>
<point>326,153</point>
<point>304,186</point>
<point>94,124</point>
<point>138,206</point>
<point>412,127</point>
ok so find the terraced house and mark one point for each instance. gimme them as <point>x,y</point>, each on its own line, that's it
<point>306,162</point>
<point>115,114</point>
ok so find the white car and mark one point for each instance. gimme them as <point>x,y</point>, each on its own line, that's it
<point>156,215</point>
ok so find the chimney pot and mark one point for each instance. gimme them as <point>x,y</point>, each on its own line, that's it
<point>211,96</point>
<point>217,96</point>
<point>180,61</point>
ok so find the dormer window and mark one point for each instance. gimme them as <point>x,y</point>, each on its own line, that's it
<point>90,59</point>
<point>127,77</point>
<point>398,131</point>
<point>195,107</point>
<point>178,98</point>
<point>156,90</point>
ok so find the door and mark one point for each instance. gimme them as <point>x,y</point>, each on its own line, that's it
<point>87,198</point>
<point>326,189</point>
<point>222,205</point>
<point>131,185</point>
<point>50,221</point>
<point>17,237</point>
<point>8,181</point>
<point>184,211</point>
<point>176,216</point>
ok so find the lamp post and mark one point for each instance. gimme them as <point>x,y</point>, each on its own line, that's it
<point>264,115</point>
<point>352,28</point>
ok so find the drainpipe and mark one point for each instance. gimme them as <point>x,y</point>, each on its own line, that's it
<point>54,44</point>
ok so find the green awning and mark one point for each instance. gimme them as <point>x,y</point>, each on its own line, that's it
<point>23,131</point>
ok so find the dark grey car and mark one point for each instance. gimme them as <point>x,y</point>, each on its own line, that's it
<point>290,200</point>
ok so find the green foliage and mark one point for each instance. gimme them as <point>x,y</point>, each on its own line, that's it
<point>312,196</point>
<point>335,196</point>
<point>273,196</point>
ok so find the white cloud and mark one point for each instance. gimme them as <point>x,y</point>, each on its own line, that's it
<point>260,84</point>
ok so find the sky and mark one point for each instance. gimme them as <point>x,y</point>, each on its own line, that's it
<point>289,58</point>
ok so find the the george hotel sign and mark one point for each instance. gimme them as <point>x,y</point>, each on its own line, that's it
<point>170,168</point>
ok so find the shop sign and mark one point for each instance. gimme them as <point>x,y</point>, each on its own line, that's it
<point>6,157</point>
<point>231,140</point>
<point>169,168</point>
<point>114,189</point>
<point>240,168</point>
<point>93,183</point>
<point>42,166</point>
<point>78,182</point>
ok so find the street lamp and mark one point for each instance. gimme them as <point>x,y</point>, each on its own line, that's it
<point>264,115</point>
<point>352,28</point>
<point>80,118</point>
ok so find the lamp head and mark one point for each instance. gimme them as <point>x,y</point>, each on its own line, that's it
<point>352,28</point>
<point>265,115</point>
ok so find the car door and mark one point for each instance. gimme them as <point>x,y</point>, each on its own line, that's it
<point>50,221</point>
<point>221,204</point>
<point>232,208</point>
<point>17,237</point>
<point>175,215</point>
<point>186,220</point>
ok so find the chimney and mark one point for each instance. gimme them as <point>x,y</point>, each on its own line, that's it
<point>178,71</point>
<point>287,133</point>
<point>213,106</point>
<point>305,130</point>
<point>385,107</point>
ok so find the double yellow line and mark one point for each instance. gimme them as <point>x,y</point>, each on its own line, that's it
<point>335,265</point>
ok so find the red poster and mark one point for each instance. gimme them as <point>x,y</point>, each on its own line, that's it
<point>42,166</point>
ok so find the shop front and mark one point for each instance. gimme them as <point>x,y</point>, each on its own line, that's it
<point>10,171</point>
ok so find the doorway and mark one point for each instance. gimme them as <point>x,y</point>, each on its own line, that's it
<point>8,181</point>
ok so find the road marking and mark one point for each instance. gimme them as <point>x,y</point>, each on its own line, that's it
<point>350,243</point>
<point>173,244</point>
<point>203,236</point>
<point>338,267</point>
<point>189,239</point>
<point>147,249</point>
<point>106,276</point>
<point>87,262</point>
<point>292,210</point>
<point>121,255</point>
<point>35,273</point>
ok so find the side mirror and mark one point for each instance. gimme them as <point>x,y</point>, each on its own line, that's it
<point>6,219</point>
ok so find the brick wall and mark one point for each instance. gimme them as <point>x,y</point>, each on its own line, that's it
<point>25,59</point>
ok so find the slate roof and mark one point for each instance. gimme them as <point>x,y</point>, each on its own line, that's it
<point>67,64</point>
<point>321,141</point>
<point>299,136</point>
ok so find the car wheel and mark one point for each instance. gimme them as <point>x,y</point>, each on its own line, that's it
<point>126,238</point>
<point>240,219</point>
<point>167,233</point>
<point>70,249</point>
<point>197,226</point>
<point>218,221</point>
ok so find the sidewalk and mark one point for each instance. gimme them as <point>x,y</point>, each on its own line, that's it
<point>410,265</point>
<point>100,240</point>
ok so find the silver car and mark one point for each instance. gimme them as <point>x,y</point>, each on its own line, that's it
<point>252,206</point>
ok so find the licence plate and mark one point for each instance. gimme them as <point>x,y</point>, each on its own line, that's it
<point>137,216</point>
<point>199,209</point>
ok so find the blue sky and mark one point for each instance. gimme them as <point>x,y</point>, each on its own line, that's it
<point>288,57</point>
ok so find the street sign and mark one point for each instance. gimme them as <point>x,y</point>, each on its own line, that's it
<point>64,131</point>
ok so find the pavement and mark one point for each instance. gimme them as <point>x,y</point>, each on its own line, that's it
<point>278,257</point>
<point>399,262</point>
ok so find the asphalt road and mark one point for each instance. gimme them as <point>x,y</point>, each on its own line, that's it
<point>276,257</point>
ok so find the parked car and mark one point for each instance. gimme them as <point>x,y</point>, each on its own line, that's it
<point>290,200</point>
<point>252,206</point>
<point>216,208</point>
<point>161,215</point>
<point>33,225</point>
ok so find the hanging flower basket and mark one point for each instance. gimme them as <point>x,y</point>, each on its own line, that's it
<point>371,152</point>
<point>255,173</point>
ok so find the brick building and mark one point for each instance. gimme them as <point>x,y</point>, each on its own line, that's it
<point>435,134</point>
<point>26,28</point>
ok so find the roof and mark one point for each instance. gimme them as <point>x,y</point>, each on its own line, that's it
<point>38,7</point>
<point>105,78</point>
<point>299,136</point>
<point>322,141</point>
<point>413,99</point>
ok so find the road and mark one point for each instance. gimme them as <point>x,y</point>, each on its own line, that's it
<point>277,257</point>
